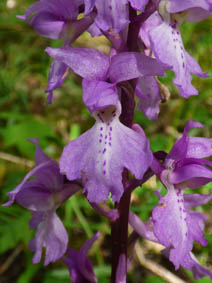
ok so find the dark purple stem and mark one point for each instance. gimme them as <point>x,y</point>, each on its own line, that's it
<point>119,228</point>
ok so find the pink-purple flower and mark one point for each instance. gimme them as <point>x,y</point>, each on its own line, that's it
<point>43,195</point>
<point>176,226</point>
<point>78,263</point>
<point>161,33</point>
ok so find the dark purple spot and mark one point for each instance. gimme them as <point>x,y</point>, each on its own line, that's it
<point>104,150</point>
<point>101,135</point>
<point>104,172</point>
<point>105,142</point>
<point>110,139</point>
<point>182,55</point>
<point>109,144</point>
<point>114,111</point>
<point>101,129</point>
<point>175,47</point>
<point>178,32</point>
<point>183,65</point>
<point>102,112</point>
<point>110,7</point>
<point>104,163</point>
<point>100,141</point>
<point>111,129</point>
<point>100,118</point>
<point>181,47</point>
<point>106,137</point>
<point>114,115</point>
<point>108,124</point>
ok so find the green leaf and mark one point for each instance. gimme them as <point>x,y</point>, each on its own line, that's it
<point>153,279</point>
<point>17,135</point>
<point>13,221</point>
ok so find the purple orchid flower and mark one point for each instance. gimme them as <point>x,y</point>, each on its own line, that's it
<point>102,153</point>
<point>148,92</point>
<point>161,32</point>
<point>170,235</point>
<point>108,147</point>
<point>176,226</point>
<point>52,18</point>
<point>194,11</point>
<point>102,74</point>
<point>43,196</point>
<point>113,14</point>
<point>79,265</point>
<point>57,19</point>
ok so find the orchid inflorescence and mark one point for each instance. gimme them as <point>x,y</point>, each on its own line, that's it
<point>145,41</point>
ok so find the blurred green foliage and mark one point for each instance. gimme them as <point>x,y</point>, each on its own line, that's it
<point>23,114</point>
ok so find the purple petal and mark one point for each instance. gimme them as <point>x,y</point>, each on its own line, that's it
<point>57,75</point>
<point>189,161</point>
<point>47,25</point>
<point>198,270</point>
<point>79,265</point>
<point>183,147</point>
<point>181,5</point>
<point>35,196</point>
<point>191,262</point>
<point>196,225</point>
<point>194,175</point>
<point>167,46</point>
<point>111,14</point>
<point>171,228</point>
<point>195,10</point>
<point>100,155</point>
<point>199,147</point>
<point>13,193</point>
<point>60,8</point>
<point>98,95</point>
<point>75,270</point>
<point>153,21</point>
<point>36,219</point>
<point>148,92</point>
<point>46,173</point>
<point>87,245</point>
<point>51,235</point>
<point>40,156</point>
<point>193,200</point>
<point>138,4</point>
<point>89,5</point>
<point>88,63</point>
<point>129,65</point>
<point>145,230</point>
<point>121,269</point>
<point>49,18</point>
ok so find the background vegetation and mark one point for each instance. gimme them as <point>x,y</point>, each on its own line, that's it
<point>23,113</point>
